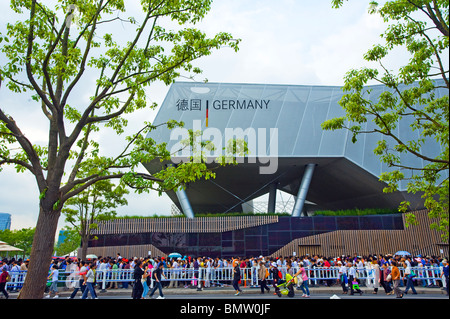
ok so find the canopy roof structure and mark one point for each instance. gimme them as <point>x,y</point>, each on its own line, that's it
<point>288,150</point>
<point>5,247</point>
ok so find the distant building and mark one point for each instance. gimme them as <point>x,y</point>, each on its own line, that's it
<point>5,221</point>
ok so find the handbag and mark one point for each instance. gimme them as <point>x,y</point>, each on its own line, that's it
<point>389,277</point>
<point>299,280</point>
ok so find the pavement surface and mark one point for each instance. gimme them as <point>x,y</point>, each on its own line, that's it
<point>228,292</point>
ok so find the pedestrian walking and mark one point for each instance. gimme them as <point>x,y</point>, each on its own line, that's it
<point>263,274</point>
<point>353,280</point>
<point>54,278</point>
<point>138,288</point>
<point>89,281</point>
<point>384,279</point>
<point>236,279</point>
<point>409,276</point>
<point>79,286</point>
<point>395,273</point>
<point>157,276</point>
<point>146,279</point>
<point>343,277</point>
<point>445,272</point>
<point>303,278</point>
<point>4,277</point>
<point>376,276</point>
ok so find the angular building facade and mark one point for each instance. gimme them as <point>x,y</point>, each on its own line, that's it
<point>288,150</point>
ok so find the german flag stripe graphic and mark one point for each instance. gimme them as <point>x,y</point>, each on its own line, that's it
<point>207,113</point>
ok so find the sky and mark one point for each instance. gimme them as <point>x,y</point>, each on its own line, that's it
<point>299,42</point>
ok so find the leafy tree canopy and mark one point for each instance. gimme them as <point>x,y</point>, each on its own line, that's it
<point>422,28</point>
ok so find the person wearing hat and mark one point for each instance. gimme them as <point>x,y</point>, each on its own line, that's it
<point>444,273</point>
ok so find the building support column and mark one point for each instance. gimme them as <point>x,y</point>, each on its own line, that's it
<point>303,190</point>
<point>271,207</point>
<point>185,204</point>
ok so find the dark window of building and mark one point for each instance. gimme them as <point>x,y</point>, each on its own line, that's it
<point>252,242</point>
<point>347,223</point>
<point>284,223</point>
<point>324,223</point>
<point>160,239</point>
<point>301,223</point>
<point>388,222</point>
<point>227,235</point>
<point>209,239</point>
<point>253,231</point>
<point>116,240</point>
<point>135,239</point>
<point>192,239</point>
<point>301,234</point>
<point>370,222</point>
<point>179,240</point>
<point>238,235</point>
<point>398,222</point>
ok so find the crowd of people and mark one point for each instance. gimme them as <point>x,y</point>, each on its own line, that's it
<point>377,271</point>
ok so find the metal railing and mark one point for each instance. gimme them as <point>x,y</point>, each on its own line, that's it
<point>221,276</point>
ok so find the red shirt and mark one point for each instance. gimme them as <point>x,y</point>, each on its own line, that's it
<point>3,276</point>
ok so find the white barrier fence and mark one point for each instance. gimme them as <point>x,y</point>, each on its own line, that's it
<point>221,276</point>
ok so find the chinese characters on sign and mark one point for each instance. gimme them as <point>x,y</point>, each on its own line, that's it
<point>196,104</point>
<point>189,105</point>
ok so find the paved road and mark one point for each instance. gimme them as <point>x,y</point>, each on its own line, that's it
<point>255,297</point>
<point>254,294</point>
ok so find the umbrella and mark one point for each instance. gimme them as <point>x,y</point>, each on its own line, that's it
<point>174,255</point>
<point>402,253</point>
<point>5,247</point>
<point>91,256</point>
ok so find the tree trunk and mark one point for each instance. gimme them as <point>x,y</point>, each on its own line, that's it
<point>84,247</point>
<point>41,254</point>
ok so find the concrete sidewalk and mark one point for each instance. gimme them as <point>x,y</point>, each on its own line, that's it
<point>334,290</point>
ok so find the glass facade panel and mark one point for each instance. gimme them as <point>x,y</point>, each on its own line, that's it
<point>284,223</point>
<point>398,222</point>
<point>209,239</point>
<point>388,222</point>
<point>159,239</point>
<point>192,240</point>
<point>347,223</point>
<point>302,223</point>
<point>324,223</point>
<point>371,222</point>
<point>252,242</point>
<point>266,238</point>
<point>135,239</point>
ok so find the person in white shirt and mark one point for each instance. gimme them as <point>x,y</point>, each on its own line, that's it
<point>208,267</point>
<point>343,277</point>
<point>352,278</point>
<point>54,278</point>
<point>174,275</point>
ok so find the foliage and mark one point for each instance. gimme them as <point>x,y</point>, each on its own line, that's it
<point>422,28</point>
<point>95,204</point>
<point>70,243</point>
<point>203,215</point>
<point>22,238</point>
<point>355,212</point>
